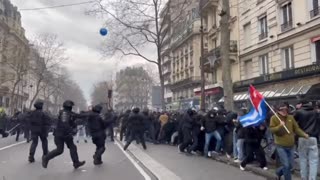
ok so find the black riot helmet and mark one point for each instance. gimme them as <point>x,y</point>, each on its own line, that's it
<point>135,110</point>
<point>97,109</point>
<point>68,104</point>
<point>38,104</point>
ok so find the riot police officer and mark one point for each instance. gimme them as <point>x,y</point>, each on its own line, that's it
<point>63,134</point>
<point>137,128</point>
<point>39,124</point>
<point>97,128</point>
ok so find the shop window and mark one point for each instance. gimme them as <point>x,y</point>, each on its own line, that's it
<point>287,58</point>
<point>264,64</point>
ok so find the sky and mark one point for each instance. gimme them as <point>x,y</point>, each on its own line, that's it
<point>79,33</point>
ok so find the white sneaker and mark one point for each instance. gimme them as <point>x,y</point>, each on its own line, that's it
<point>209,154</point>
<point>237,161</point>
<point>265,168</point>
<point>242,168</point>
<point>228,156</point>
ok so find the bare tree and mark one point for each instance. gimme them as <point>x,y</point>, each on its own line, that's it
<point>14,59</point>
<point>137,25</point>
<point>48,53</point>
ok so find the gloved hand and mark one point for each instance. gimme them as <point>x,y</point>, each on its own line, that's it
<point>202,128</point>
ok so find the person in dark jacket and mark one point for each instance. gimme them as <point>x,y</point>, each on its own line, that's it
<point>149,125</point>
<point>209,125</point>
<point>97,128</point>
<point>66,128</point>
<point>3,123</point>
<point>229,130</point>
<point>124,124</point>
<point>39,123</point>
<point>307,119</point>
<point>196,129</point>
<point>137,127</point>
<point>253,137</point>
<point>186,126</point>
<point>111,118</point>
<point>16,119</point>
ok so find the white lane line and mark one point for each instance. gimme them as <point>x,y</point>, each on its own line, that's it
<point>12,145</point>
<point>139,168</point>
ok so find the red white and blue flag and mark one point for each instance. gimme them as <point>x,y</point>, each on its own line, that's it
<point>258,112</point>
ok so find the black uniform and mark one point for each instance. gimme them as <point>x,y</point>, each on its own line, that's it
<point>97,128</point>
<point>124,124</point>
<point>137,127</point>
<point>63,134</point>
<point>197,119</point>
<point>3,123</point>
<point>39,124</point>
<point>187,123</point>
<point>111,119</point>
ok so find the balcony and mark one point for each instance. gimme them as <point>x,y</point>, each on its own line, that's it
<point>286,26</point>
<point>263,35</point>
<point>206,4</point>
<point>214,56</point>
<point>190,81</point>
<point>315,12</point>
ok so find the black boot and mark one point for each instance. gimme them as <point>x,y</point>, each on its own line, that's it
<point>31,159</point>
<point>44,162</point>
<point>79,164</point>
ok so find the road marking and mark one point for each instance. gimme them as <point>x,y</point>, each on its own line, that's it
<point>139,168</point>
<point>12,145</point>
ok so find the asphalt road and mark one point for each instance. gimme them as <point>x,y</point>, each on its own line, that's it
<point>162,160</point>
<point>14,165</point>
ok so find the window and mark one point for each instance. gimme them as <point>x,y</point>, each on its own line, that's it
<point>247,35</point>
<point>316,52</point>
<point>248,69</point>
<point>287,58</point>
<point>314,7</point>
<point>263,28</point>
<point>286,17</point>
<point>264,64</point>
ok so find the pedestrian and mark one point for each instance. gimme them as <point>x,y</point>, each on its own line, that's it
<point>17,123</point>
<point>39,123</point>
<point>149,126</point>
<point>253,137</point>
<point>284,140</point>
<point>307,119</point>
<point>174,135</point>
<point>209,125</point>
<point>3,123</point>
<point>186,126</point>
<point>66,128</point>
<point>97,128</point>
<point>229,130</point>
<point>111,118</point>
<point>137,127</point>
<point>163,119</point>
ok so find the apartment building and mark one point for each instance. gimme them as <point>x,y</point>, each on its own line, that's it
<point>210,10</point>
<point>279,49</point>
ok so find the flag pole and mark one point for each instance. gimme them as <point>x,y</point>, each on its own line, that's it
<point>285,127</point>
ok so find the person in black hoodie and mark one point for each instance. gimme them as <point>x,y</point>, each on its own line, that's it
<point>66,128</point>
<point>253,137</point>
<point>308,120</point>
<point>209,125</point>
<point>39,123</point>
<point>97,128</point>
<point>137,128</point>
<point>186,126</point>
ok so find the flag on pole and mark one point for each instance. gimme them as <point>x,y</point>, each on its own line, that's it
<point>258,112</point>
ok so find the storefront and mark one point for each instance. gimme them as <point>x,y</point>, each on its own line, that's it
<point>290,86</point>
<point>213,94</point>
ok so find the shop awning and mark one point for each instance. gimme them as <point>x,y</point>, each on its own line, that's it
<point>275,93</point>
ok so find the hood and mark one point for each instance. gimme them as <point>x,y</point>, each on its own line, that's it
<point>212,114</point>
<point>97,109</point>
<point>38,105</point>
<point>307,107</point>
<point>67,105</point>
<point>135,110</point>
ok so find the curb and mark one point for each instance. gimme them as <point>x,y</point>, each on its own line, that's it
<point>269,174</point>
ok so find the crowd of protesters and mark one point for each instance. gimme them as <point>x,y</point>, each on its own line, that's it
<point>219,132</point>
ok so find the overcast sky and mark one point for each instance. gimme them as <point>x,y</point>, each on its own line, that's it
<point>80,34</point>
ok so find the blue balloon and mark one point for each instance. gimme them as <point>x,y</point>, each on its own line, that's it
<point>103,31</point>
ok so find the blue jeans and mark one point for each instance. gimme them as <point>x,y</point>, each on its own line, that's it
<point>285,156</point>
<point>235,138</point>
<point>240,149</point>
<point>217,136</point>
<point>308,153</point>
